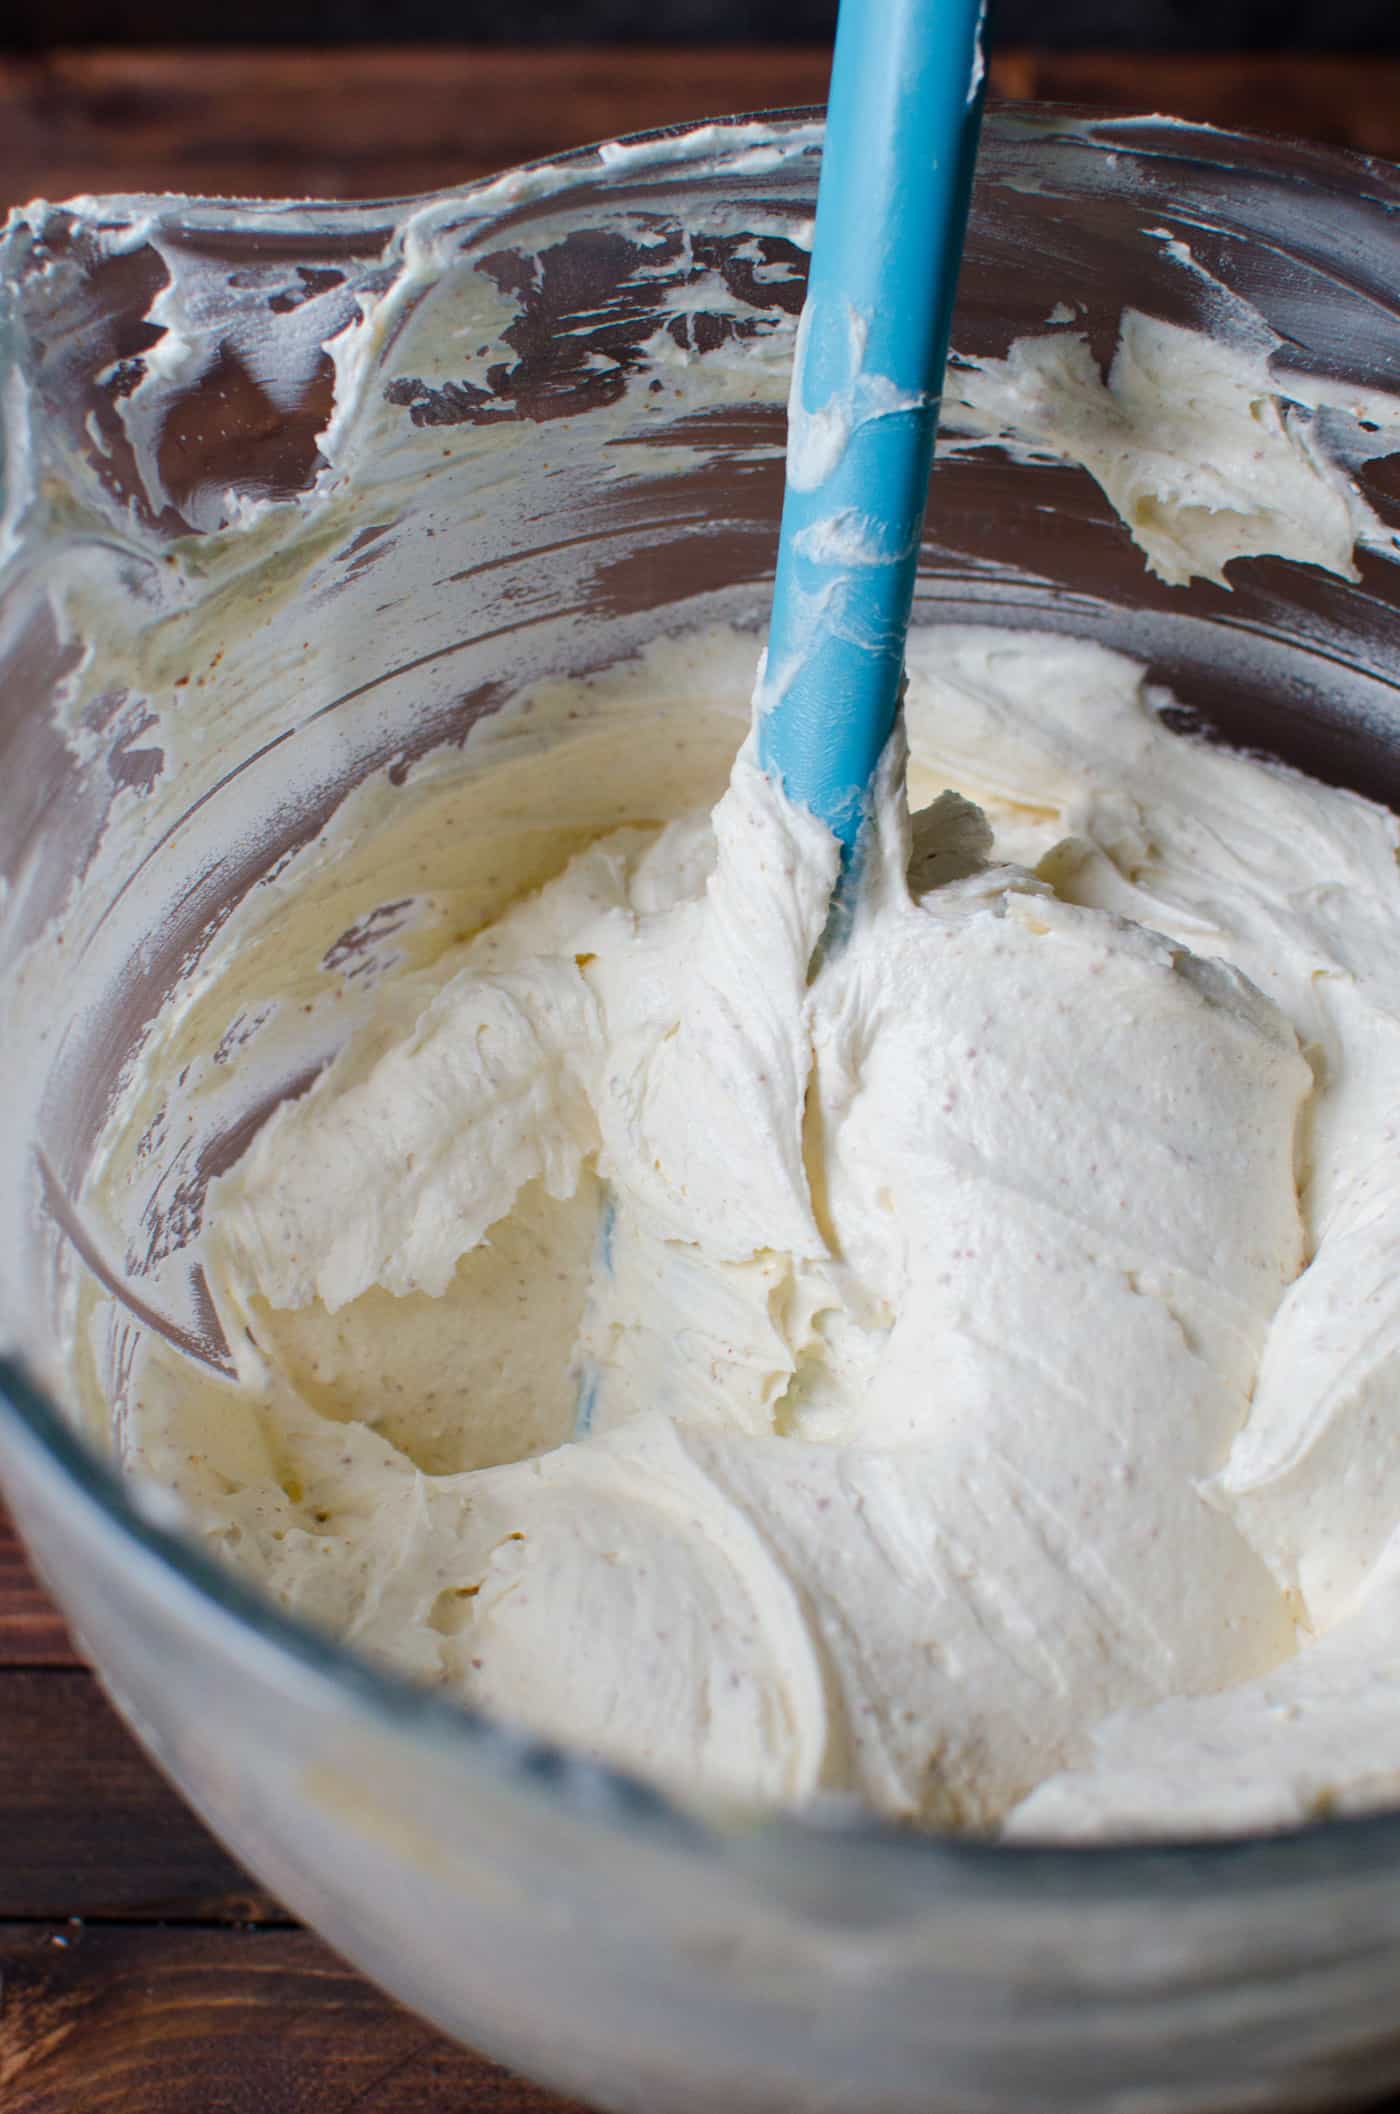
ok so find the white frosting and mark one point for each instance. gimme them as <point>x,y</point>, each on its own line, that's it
<point>1203,451</point>
<point>876,1384</point>
<point>818,436</point>
<point>1319,1735</point>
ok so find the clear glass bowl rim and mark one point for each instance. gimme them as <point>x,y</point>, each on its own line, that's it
<point>1324,1850</point>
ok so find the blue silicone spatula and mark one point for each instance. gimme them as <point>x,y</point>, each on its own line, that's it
<point>901,138</point>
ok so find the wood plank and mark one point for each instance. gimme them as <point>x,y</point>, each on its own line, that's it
<point>355,123</point>
<point>124,2020</point>
<point>89,1828</point>
<point>115,2020</point>
<point>365,122</point>
<point>32,1631</point>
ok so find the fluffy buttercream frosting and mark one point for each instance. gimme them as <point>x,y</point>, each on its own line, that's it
<point>916,1368</point>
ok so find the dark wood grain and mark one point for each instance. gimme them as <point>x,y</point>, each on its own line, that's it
<point>364,123</point>
<point>351,124</point>
<point>32,1632</point>
<point>89,1828</point>
<point>103,2021</point>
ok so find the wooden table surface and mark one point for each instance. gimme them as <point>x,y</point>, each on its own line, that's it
<point>383,123</point>
<point>141,1972</point>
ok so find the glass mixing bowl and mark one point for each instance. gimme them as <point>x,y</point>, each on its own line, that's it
<point>295,497</point>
